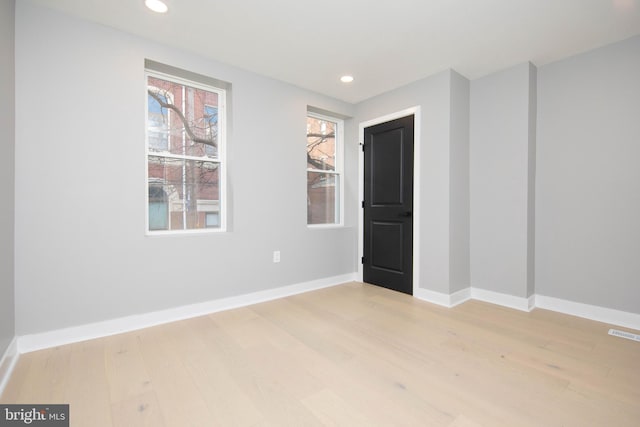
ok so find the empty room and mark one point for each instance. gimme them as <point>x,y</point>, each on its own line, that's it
<point>295,213</point>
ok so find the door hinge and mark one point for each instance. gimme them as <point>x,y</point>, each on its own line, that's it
<point>362,145</point>
<point>363,203</point>
<point>362,260</point>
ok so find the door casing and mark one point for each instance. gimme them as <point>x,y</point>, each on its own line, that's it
<point>415,111</point>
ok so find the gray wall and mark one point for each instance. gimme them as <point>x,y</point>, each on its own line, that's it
<point>588,178</point>
<point>500,164</point>
<point>81,251</point>
<point>7,139</point>
<point>81,254</point>
<point>531,190</point>
<point>459,232</point>
<point>437,189</point>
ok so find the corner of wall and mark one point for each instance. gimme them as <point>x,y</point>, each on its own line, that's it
<point>502,172</point>
<point>459,184</point>
<point>7,363</point>
<point>531,184</point>
<point>7,175</point>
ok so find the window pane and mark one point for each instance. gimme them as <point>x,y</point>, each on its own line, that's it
<point>187,190</point>
<point>182,119</point>
<point>321,144</point>
<point>157,124</point>
<point>212,219</point>
<point>322,196</point>
<point>211,129</point>
<point>158,216</point>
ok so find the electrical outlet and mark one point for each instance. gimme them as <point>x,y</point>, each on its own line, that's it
<point>276,256</point>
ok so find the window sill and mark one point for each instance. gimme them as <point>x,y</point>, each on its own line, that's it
<point>198,232</point>
<point>324,226</point>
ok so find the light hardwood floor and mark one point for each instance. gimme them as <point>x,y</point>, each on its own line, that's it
<point>351,355</point>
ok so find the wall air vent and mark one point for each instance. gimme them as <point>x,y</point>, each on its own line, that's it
<point>623,334</point>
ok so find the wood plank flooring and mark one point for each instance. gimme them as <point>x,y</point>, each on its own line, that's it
<point>351,355</point>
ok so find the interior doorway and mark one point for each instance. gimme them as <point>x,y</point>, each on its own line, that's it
<point>388,204</point>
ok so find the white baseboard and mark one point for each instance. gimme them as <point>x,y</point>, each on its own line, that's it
<point>7,363</point>
<point>460,296</point>
<point>444,300</point>
<point>505,300</point>
<point>28,343</point>
<point>33,342</point>
<point>432,297</point>
<point>592,312</point>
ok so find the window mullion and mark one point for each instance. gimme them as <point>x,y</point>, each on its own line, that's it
<point>181,157</point>
<point>324,171</point>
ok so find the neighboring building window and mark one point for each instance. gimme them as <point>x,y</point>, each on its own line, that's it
<point>212,219</point>
<point>211,127</point>
<point>324,170</point>
<point>158,208</point>
<point>185,140</point>
<point>157,121</point>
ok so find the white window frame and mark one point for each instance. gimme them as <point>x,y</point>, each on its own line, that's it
<point>221,160</point>
<point>339,172</point>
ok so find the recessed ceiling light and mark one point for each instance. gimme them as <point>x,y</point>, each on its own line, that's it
<point>346,79</point>
<point>156,5</point>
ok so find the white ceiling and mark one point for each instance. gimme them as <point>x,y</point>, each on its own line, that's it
<point>384,44</point>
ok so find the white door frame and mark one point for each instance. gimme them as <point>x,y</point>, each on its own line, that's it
<point>415,111</point>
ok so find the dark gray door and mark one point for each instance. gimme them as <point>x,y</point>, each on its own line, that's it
<point>388,205</point>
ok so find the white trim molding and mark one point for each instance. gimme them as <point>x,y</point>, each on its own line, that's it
<point>505,300</point>
<point>7,363</point>
<point>591,312</point>
<point>451,300</point>
<point>28,343</point>
<point>39,341</point>
<point>444,300</point>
